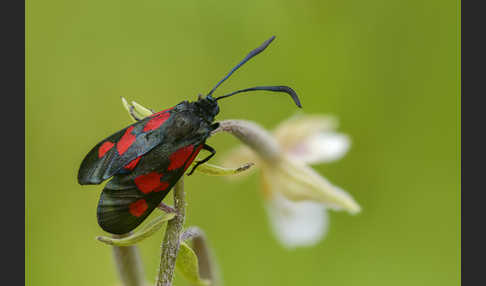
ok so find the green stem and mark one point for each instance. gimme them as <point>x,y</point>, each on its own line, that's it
<point>129,265</point>
<point>171,242</point>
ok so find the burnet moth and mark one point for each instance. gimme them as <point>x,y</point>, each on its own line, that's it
<point>147,158</point>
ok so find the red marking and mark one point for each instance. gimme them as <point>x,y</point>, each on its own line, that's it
<point>157,120</point>
<point>179,157</point>
<point>162,187</point>
<point>138,208</point>
<point>126,141</point>
<point>105,147</point>
<point>149,182</point>
<point>130,166</point>
<point>193,157</point>
<point>160,112</point>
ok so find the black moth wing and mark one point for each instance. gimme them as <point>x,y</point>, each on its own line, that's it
<point>114,207</point>
<point>128,199</point>
<point>116,151</point>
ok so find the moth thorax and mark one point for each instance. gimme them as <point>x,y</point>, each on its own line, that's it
<point>207,107</point>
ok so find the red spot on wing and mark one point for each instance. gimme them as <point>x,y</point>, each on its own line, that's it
<point>149,182</point>
<point>179,157</point>
<point>138,208</point>
<point>163,111</point>
<point>157,120</point>
<point>130,166</point>
<point>105,147</point>
<point>162,187</point>
<point>126,141</point>
<point>193,157</point>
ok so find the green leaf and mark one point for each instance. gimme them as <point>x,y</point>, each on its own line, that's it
<point>136,110</point>
<point>147,231</point>
<point>141,109</point>
<point>213,170</point>
<point>187,265</point>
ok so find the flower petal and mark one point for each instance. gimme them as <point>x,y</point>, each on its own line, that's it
<point>299,127</point>
<point>297,223</point>
<point>322,147</point>
<point>298,182</point>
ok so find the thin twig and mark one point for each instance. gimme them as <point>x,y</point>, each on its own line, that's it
<point>171,242</point>
<point>129,265</point>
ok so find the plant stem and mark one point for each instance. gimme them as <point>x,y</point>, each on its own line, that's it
<point>129,265</point>
<point>208,268</point>
<point>171,242</point>
<point>251,134</point>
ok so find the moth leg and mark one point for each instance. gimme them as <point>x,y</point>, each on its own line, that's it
<point>207,148</point>
<point>166,208</point>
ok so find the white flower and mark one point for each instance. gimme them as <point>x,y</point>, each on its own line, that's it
<point>297,197</point>
<point>297,223</point>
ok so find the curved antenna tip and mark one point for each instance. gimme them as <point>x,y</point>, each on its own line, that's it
<point>292,94</point>
<point>279,88</point>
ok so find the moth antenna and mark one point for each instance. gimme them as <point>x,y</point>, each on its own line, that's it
<point>247,58</point>
<point>280,88</point>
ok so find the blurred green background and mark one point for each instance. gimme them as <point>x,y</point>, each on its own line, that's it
<point>389,70</point>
